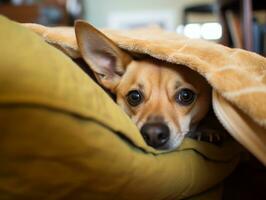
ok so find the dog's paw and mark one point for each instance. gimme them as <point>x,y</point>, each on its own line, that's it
<point>207,135</point>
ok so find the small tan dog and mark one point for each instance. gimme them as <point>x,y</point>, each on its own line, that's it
<point>165,101</point>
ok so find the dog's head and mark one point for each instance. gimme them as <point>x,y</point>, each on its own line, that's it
<point>164,100</point>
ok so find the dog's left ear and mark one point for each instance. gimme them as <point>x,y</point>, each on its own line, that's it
<point>107,60</point>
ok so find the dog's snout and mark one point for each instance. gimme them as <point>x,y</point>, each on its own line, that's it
<point>155,119</point>
<point>155,134</point>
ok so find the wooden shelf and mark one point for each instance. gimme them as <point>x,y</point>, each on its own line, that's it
<point>32,13</point>
<point>243,9</point>
<point>24,13</point>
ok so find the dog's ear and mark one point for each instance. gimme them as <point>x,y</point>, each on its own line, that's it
<point>106,59</point>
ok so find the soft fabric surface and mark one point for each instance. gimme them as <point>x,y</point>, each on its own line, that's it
<point>62,137</point>
<point>236,75</point>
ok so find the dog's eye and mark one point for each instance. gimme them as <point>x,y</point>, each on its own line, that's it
<point>185,97</point>
<point>134,97</point>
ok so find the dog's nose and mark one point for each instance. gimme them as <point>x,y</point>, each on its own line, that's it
<point>155,134</point>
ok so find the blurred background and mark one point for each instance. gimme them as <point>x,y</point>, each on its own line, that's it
<point>235,23</point>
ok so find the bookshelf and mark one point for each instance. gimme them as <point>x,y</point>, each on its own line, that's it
<point>236,17</point>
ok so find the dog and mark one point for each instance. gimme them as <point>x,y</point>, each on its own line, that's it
<point>166,101</point>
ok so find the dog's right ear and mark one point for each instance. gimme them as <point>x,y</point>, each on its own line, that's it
<point>106,59</point>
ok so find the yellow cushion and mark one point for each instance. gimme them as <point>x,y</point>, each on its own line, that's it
<point>62,137</point>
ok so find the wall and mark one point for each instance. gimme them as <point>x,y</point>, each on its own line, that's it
<point>96,11</point>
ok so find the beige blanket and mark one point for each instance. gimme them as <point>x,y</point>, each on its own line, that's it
<point>238,77</point>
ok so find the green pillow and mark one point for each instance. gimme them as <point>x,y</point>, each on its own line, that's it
<point>62,137</point>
